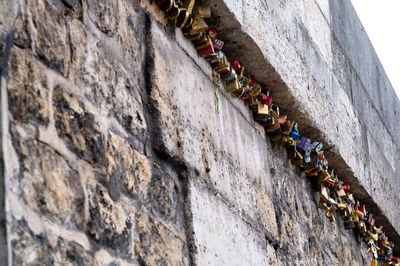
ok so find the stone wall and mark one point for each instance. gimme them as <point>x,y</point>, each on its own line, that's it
<point>112,153</point>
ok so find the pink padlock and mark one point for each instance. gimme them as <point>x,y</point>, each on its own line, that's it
<point>218,44</point>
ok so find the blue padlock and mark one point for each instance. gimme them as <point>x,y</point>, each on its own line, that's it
<point>304,143</point>
<point>294,134</point>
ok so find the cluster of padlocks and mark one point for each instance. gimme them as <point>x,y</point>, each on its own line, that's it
<point>334,195</point>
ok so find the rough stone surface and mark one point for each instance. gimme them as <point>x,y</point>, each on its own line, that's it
<point>112,153</point>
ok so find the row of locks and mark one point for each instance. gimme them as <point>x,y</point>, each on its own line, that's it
<point>334,195</point>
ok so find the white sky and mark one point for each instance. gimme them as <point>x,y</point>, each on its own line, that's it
<point>381,20</point>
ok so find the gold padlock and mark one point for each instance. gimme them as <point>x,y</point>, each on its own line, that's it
<point>240,73</point>
<point>211,57</point>
<point>298,159</point>
<point>373,236</point>
<point>262,111</point>
<point>340,192</point>
<point>202,11</point>
<point>196,31</point>
<point>245,81</point>
<point>220,64</point>
<point>238,93</point>
<point>187,8</point>
<point>324,193</point>
<point>173,13</point>
<point>205,44</point>
<point>329,214</point>
<point>377,230</point>
<point>275,125</point>
<point>323,176</point>
<point>233,86</point>
<point>288,141</point>
<point>165,5</point>
<point>199,13</point>
<point>323,205</point>
<point>255,90</point>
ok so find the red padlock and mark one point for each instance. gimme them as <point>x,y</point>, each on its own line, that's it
<point>363,209</point>
<point>253,81</point>
<point>265,99</point>
<point>206,48</point>
<point>329,183</point>
<point>395,259</point>
<point>206,51</point>
<point>212,33</point>
<point>235,64</point>
<point>346,187</point>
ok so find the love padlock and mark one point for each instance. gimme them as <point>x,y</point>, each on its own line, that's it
<point>186,11</point>
<point>218,44</point>
<point>304,143</point>
<point>231,76</point>
<point>349,225</point>
<point>287,127</point>
<point>273,125</point>
<point>262,111</point>
<point>264,96</point>
<point>220,63</point>
<point>196,31</point>
<point>373,236</point>
<point>224,69</point>
<point>372,248</point>
<point>235,64</point>
<point>165,5</point>
<point>298,159</point>
<point>174,12</point>
<point>205,48</point>
<point>215,58</point>
<point>233,85</point>
<point>294,133</point>
<point>377,230</point>
<point>211,57</point>
<point>370,219</point>
<point>346,187</point>
<point>255,90</point>
<point>288,141</point>
<point>340,191</point>
<point>330,212</point>
<point>316,147</point>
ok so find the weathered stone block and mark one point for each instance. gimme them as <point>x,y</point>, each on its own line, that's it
<point>77,126</point>
<point>222,237</point>
<point>104,14</point>
<point>108,223</point>
<point>127,169</point>
<point>49,33</point>
<point>49,185</point>
<point>31,249</point>
<point>115,88</point>
<point>164,197</point>
<point>156,244</point>
<point>28,88</point>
